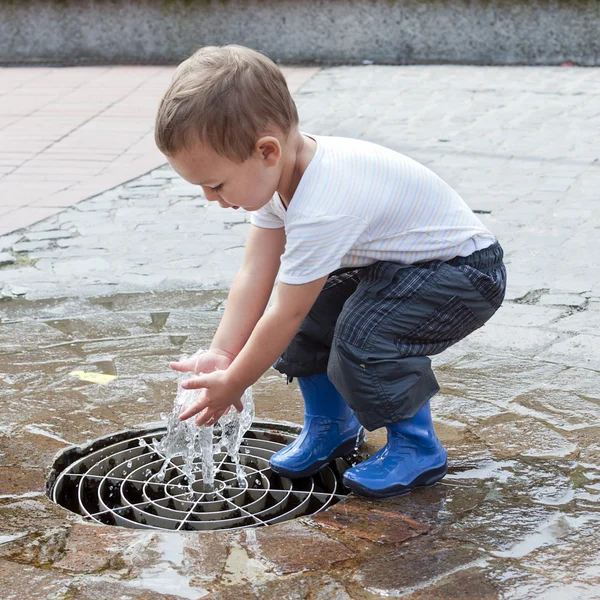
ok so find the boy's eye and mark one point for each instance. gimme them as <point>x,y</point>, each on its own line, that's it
<point>217,188</point>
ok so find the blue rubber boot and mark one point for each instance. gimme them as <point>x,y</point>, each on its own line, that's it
<point>413,457</point>
<point>330,430</point>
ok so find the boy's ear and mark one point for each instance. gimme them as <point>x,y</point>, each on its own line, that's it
<point>269,149</point>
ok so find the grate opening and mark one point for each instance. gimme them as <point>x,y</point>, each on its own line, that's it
<point>113,481</point>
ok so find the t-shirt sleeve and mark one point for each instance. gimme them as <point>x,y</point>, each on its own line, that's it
<point>265,217</point>
<point>316,246</point>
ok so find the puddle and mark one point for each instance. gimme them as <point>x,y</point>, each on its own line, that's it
<point>549,532</point>
<point>492,470</point>
<point>164,576</point>
<point>39,431</point>
<point>11,538</point>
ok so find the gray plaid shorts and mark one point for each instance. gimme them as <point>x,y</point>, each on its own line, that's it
<point>372,329</point>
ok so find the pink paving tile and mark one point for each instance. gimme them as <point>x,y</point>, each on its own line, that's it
<point>72,133</point>
<point>23,217</point>
<point>4,210</point>
<point>62,199</point>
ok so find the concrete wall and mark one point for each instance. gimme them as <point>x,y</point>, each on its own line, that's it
<point>296,31</point>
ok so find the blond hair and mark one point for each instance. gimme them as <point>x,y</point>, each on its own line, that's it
<point>225,97</point>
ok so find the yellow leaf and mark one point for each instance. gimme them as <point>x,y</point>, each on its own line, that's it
<point>100,378</point>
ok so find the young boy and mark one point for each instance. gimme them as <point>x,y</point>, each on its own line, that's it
<point>381,264</point>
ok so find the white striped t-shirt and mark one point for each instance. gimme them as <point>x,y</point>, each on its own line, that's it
<point>358,203</point>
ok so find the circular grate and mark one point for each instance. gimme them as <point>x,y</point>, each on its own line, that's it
<point>114,481</point>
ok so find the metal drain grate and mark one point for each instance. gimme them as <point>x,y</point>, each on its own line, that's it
<point>113,481</point>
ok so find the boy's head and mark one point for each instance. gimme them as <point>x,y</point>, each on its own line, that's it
<point>221,103</point>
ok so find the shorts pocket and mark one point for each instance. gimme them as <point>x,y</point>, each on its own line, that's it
<point>448,324</point>
<point>491,284</point>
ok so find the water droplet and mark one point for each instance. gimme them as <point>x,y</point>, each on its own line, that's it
<point>129,465</point>
<point>357,443</point>
<point>124,473</point>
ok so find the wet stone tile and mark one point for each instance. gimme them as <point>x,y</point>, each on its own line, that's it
<point>565,550</point>
<point>27,334</point>
<point>54,234</point>
<point>589,442</point>
<point>40,548</point>
<point>436,505</point>
<point>29,449</point>
<point>15,481</point>
<point>578,351</point>
<point>371,521</point>
<point>496,379</point>
<point>526,315</point>
<point>102,326</point>
<point>422,561</point>
<point>6,258</point>
<point>450,406</point>
<point>19,582</point>
<point>499,523</point>
<point>205,300</point>
<point>462,444</point>
<point>509,435</point>
<point>292,547</point>
<point>551,483</point>
<point>91,548</point>
<point>470,584</point>
<point>560,408</point>
<point>295,587</point>
<point>205,555</point>
<point>103,589</point>
<point>20,515</point>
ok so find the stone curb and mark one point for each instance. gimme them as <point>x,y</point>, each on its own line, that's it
<point>314,31</point>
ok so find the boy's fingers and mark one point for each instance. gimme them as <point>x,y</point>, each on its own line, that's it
<point>195,383</point>
<point>238,405</point>
<point>191,411</point>
<point>209,418</point>
<point>184,367</point>
<point>206,418</point>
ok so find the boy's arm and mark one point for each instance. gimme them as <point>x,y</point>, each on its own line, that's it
<point>271,336</point>
<point>250,290</point>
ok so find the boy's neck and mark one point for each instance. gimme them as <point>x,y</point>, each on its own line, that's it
<point>298,151</point>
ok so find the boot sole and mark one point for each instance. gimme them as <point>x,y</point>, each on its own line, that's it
<point>342,450</point>
<point>426,479</point>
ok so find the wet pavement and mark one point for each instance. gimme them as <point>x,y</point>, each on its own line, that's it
<point>122,283</point>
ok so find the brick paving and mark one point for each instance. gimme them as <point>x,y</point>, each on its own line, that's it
<point>67,134</point>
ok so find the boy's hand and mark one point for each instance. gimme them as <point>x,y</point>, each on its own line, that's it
<point>219,394</point>
<point>204,362</point>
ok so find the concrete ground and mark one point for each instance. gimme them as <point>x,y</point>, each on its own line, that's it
<point>122,282</point>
